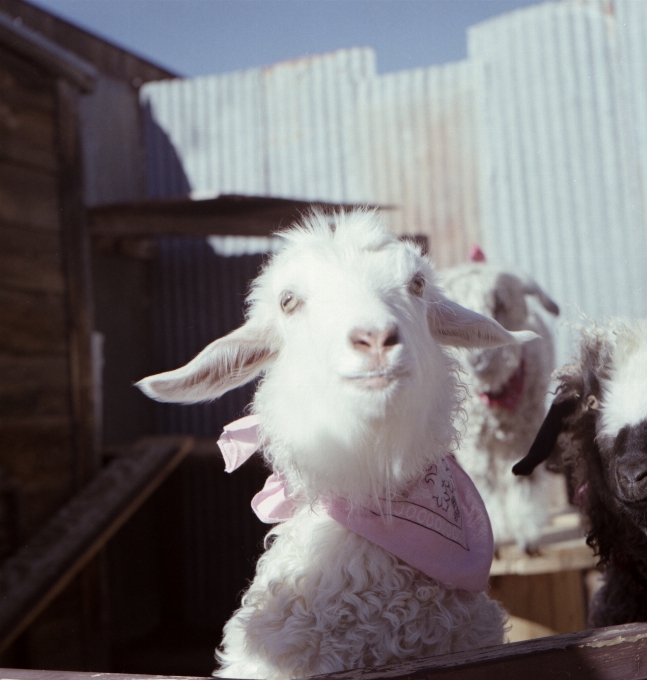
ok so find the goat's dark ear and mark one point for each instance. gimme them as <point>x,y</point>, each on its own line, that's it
<point>546,439</point>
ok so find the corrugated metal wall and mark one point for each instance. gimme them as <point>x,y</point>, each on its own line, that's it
<point>558,154</point>
<point>326,128</point>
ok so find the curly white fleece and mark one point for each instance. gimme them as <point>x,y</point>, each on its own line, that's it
<point>325,599</point>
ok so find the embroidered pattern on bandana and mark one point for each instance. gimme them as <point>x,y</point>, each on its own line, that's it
<point>432,505</point>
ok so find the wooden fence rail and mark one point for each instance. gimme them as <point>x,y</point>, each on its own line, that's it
<point>35,574</point>
<point>614,653</point>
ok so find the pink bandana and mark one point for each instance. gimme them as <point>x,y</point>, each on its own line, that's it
<point>439,525</point>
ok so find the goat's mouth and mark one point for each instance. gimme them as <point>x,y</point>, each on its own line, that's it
<point>509,394</point>
<point>375,380</point>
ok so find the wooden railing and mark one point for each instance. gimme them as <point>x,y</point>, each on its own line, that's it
<point>32,577</point>
<point>615,653</point>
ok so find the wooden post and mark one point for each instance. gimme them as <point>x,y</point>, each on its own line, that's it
<point>80,325</point>
<point>76,258</point>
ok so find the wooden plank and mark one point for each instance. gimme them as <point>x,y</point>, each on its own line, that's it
<point>27,137</point>
<point>30,259</point>
<point>32,323</point>
<point>561,547</point>
<point>23,84</point>
<point>38,572</point>
<point>106,57</point>
<point>47,54</point>
<point>28,196</point>
<point>78,283</point>
<point>36,454</point>
<point>614,653</point>
<point>555,600</point>
<point>35,386</point>
<point>224,215</point>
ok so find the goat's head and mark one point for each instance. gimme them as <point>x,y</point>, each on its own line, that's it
<point>601,414</point>
<point>496,373</point>
<point>346,323</point>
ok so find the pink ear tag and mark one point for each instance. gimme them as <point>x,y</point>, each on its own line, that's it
<point>476,254</point>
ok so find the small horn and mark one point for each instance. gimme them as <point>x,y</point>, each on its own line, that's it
<point>546,438</point>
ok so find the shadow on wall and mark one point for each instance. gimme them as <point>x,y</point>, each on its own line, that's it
<point>165,176</point>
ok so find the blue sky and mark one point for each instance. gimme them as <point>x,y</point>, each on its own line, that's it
<point>195,37</point>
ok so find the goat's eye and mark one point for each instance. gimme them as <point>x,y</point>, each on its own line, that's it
<point>289,302</point>
<point>417,285</point>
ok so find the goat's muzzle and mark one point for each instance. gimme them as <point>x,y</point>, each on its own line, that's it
<point>375,344</point>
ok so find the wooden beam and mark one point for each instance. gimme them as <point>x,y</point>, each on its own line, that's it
<point>227,215</point>
<point>31,578</point>
<point>78,287</point>
<point>47,54</point>
<point>614,653</point>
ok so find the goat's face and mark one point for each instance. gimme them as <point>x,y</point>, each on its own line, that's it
<point>601,408</point>
<point>347,325</point>
<point>495,372</point>
<point>622,426</point>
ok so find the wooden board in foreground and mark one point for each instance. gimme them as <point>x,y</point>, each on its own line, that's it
<point>32,577</point>
<point>615,653</point>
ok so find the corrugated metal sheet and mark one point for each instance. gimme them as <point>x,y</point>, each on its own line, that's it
<point>415,132</point>
<point>326,128</point>
<point>198,296</point>
<point>556,186</point>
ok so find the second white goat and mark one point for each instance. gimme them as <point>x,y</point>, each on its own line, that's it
<point>356,413</point>
<point>508,388</point>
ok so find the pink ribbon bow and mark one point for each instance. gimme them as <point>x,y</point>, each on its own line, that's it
<point>439,525</point>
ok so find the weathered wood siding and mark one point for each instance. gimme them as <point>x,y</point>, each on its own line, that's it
<point>35,416</point>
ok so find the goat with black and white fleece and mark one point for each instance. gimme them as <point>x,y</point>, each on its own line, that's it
<point>382,548</point>
<point>596,432</point>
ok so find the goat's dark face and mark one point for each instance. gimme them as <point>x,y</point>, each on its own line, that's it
<point>624,464</point>
<point>601,408</point>
<point>622,428</point>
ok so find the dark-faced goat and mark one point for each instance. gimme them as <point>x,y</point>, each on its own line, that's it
<point>596,431</point>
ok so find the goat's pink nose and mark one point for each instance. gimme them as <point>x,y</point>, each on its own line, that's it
<point>374,341</point>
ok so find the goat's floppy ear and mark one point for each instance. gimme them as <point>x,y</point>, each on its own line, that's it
<point>229,362</point>
<point>554,424</point>
<point>532,288</point>
<point>452,324</point>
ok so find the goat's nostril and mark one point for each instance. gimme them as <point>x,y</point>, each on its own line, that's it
<point>373,340</point>
<point>392,338</point>
<point>640,476</point>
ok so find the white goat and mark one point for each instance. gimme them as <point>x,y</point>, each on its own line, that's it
<point>508,387</point>
<point>356,405</point>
